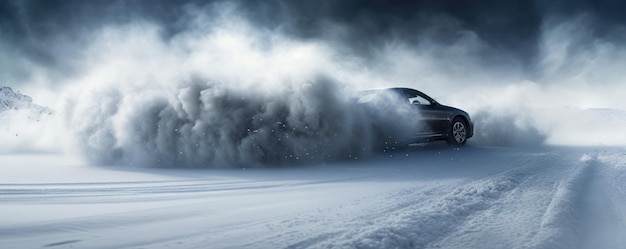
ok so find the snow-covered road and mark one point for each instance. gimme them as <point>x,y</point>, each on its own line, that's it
<point>426,197</point>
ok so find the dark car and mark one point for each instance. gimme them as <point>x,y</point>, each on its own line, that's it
<point>435,122</point>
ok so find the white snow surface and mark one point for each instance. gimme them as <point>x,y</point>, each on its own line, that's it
<point>428,196</point>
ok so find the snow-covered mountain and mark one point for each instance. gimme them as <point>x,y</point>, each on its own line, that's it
<point>11,100</point>
<point>25,126</point>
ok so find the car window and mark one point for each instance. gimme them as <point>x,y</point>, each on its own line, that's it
<point>405,96</point>
<point>418,100</point>
<point>415,98</point>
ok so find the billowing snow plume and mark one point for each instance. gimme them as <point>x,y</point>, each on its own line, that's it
<point>220,97</point>
<point>497,128</point>
<point>209,124</point>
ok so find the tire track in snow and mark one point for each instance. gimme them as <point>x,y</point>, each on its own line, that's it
<point>411,202</point>
<point>422,223</point>
<point>303,230</point>
<point>129,192</point>
<point>137,191</point>
<point>604,209</point>
<point>560,223</point>
<point>417,228</point>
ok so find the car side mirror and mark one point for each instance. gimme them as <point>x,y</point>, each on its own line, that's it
<point>415,102</point>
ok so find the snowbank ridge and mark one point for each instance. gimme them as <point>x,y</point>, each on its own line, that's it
<point>560,221</point>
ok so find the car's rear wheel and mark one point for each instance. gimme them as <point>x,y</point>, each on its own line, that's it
<point>458,132</point>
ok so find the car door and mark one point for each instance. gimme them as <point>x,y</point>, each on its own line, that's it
<point>433,118</point>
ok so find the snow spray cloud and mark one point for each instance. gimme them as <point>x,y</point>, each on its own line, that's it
<point>210,124</point>
<point>222,96</point>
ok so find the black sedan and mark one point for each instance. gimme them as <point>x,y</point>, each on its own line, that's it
<point>435,122</point>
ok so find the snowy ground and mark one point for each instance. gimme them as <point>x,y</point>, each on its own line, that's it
<point>427,197</point>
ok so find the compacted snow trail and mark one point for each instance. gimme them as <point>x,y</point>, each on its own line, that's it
<point>425,197</point>
<point>604,212</point>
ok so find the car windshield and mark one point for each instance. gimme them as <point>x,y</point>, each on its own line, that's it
<point>407,95</point>
<point>368,96</point>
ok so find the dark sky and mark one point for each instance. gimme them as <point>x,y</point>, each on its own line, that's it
<point>44,32</point>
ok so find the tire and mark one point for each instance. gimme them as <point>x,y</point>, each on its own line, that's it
<point>458,132</point>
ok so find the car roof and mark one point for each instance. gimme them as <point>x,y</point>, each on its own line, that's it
<point>392,89</point>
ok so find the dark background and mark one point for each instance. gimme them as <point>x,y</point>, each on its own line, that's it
<point>40,33</point>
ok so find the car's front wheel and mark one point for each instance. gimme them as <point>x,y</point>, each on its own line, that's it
<point>458,132</point>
